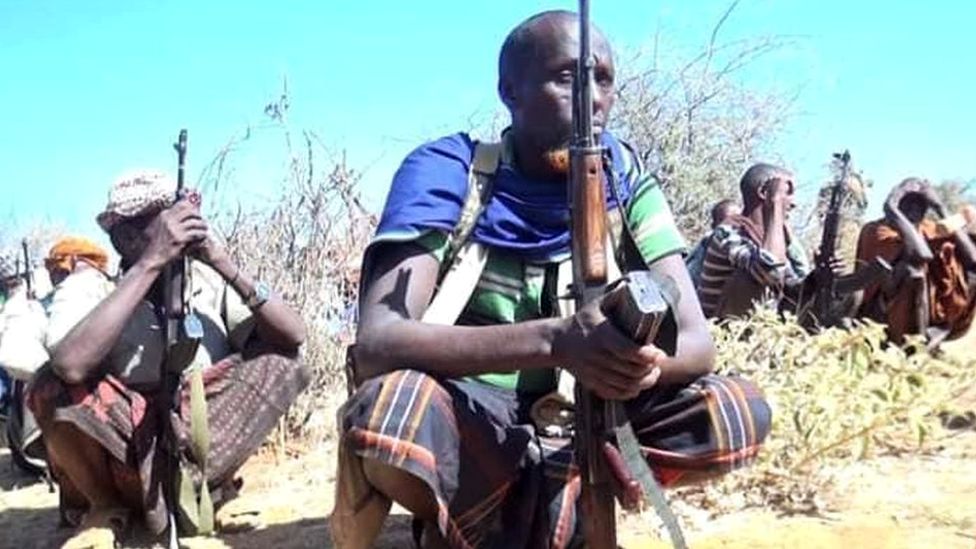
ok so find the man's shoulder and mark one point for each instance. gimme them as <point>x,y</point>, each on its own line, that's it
<point>453,148</point>
<point>87,281</point>
<point>729,232</point>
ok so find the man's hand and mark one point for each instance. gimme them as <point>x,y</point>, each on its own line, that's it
<point>932,197</point>
<point>211,252</point>
<point>172,231</point>
<point>778,192</point>
<point>603,359</point>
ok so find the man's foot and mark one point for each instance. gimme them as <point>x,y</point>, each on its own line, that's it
<point>100,529</point>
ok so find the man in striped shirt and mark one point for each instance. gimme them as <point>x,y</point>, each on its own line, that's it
<point>695,259</point>
<point>752,257</point>
<point>441,420</point>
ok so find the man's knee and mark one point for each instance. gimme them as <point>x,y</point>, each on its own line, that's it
<point>402,487</point>
<point>360,414</point>
<point>359,408</point>
<point>738,396</point>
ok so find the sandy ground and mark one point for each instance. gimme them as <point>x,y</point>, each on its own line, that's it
<point>890,502</point>
<point>907,501</point>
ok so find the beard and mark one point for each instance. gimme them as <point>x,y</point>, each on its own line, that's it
<point>557,160</point>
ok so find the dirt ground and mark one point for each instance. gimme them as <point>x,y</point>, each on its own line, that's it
<point>907,501</point>
<point>888,502</point>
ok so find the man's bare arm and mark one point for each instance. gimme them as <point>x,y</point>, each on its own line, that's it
<point>695,352</point>
<point>400,283</point>
<point>774,219</point>
<point>84,347</point>
<point>917,251</point>
<point>87,344</point>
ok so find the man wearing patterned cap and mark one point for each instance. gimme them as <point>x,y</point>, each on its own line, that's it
<point>98,402</point>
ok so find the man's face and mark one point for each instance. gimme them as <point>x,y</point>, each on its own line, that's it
<point>914,206</point>
<point>541,101</point>
<point>131,236</point>
<point>787,183</point>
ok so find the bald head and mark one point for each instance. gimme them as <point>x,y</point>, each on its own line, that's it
<point>527,42</point>
<point>723,210</point>
<point>755,179</point>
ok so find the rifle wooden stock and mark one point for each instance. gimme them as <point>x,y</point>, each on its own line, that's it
<point>588,230</point>
<point>589,216</point>
<point>599,517</point>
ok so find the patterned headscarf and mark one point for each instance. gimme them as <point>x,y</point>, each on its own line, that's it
<point>135,194</point>
<point>69,250</point>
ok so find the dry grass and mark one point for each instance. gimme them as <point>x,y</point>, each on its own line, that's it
<point>838,397</point>
<point>307,244</point>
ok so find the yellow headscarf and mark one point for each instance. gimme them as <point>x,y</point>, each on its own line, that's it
<point>69,250</point>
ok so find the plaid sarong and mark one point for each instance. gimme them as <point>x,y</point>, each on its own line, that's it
<point>497,483</point>
<point>246,394</point>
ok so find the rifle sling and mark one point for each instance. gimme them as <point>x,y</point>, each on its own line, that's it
<point>631,452</point>
<point>194,508</point>
<point>623,431</point>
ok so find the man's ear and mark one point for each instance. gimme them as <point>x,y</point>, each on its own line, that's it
<point>762,191</point>
<point>506,91</point>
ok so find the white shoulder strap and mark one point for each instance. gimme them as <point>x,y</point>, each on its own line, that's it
<point>465,260</point>
<point>457,285</point>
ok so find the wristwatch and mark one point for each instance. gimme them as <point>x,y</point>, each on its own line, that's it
<point>259,296</point>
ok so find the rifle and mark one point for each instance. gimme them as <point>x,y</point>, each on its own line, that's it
<point>638,312</point>
<point>830,288</point>
<point>183,333</point>
<point>28,272</point>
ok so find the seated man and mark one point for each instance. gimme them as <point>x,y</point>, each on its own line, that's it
<point>100,404</point>
<point>695,259</point>
<point>753,256</point>
<point>932,292</point>
<point>71,255</point>
<point>23,329</point>
<point>9,283</point>
<point>442,420</point>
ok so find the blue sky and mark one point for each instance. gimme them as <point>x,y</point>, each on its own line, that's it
<point>91,89</point>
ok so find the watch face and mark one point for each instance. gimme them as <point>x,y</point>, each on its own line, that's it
<point>262,292</point>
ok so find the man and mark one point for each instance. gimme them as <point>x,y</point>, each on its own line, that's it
<point>932,292</point>
<point>442,420</point>
<point>99,403</point>
<point>71,255</point>
<point>753,257</point>
<point>23,329</point>
<point>9,282</point>
<point>695,259</point>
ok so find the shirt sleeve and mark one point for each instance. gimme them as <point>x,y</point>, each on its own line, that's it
<point>73,299</point>
<point>649,216</point>
<point>745,255</point>
<point>238,318</point>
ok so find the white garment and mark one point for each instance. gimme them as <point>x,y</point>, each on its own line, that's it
<point>137,356</point>
<point>23,324</point>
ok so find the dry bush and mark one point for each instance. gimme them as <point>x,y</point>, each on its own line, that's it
<point>854,204</point>
<point>306,244</point>
<point>694,125</point>
<point>955,193</point>
<point>837,397</point>
<point>40,237</point>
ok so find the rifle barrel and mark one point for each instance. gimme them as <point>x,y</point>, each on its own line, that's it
<point>28,275</point>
